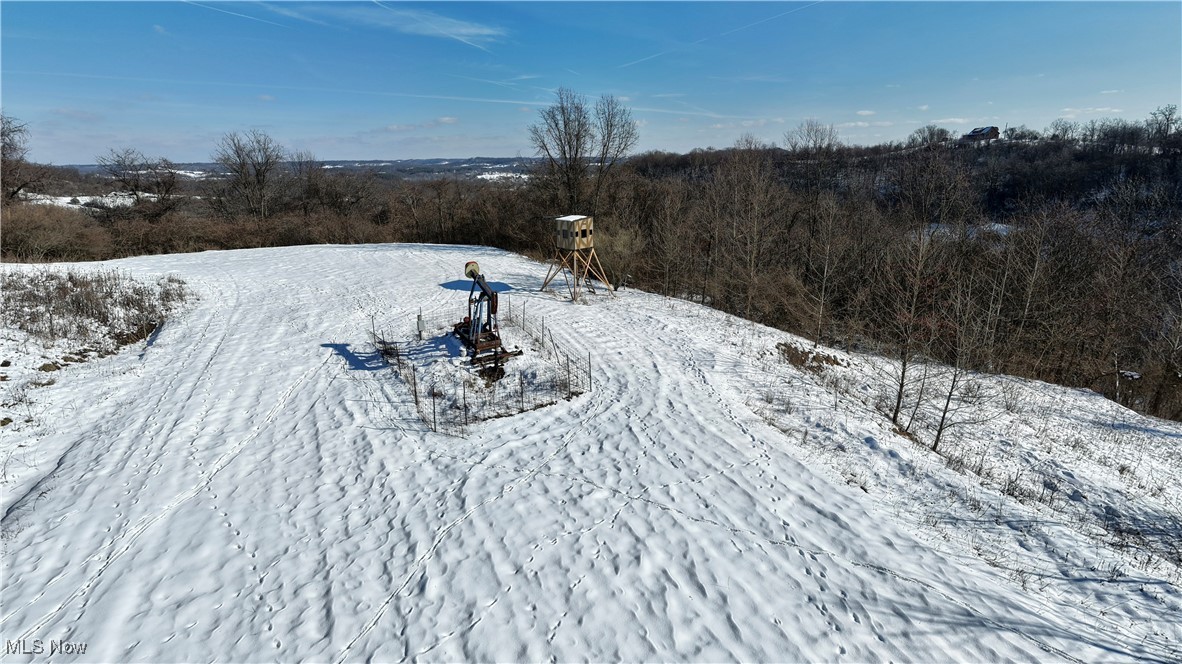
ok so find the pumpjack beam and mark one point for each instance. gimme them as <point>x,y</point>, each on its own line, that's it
<point>479,330</point>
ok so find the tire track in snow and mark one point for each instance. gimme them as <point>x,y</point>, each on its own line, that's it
<point>146,523</point>
<point>745,427</point>
<point>180,372</point>
<point>744,421</point>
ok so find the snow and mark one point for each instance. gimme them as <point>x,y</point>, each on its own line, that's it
<point>502,175</point>
<point>113,199</point>
<point>240,490</point>
<point>196,175</point>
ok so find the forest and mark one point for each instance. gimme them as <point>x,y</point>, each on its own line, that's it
<point>1052,254</point>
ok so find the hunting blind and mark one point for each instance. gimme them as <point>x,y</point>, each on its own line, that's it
<point>574,253</point>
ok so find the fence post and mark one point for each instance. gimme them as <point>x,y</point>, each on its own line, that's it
<point>414,385</point>
<point>434,419</point>
<point>465,384</point>
<point>521,380</point>
<point>588,371</point>
<point>569,392</point>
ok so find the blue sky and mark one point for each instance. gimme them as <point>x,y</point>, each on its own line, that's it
<point>394,80</point>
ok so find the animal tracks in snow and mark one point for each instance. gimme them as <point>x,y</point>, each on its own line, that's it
<point>249,497</point>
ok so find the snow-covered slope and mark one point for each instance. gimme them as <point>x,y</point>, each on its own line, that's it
<point>243,490</point>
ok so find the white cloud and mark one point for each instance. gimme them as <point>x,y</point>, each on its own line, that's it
<point>159,29</point>
<point>430,124</point>
<point>862,124</point>
<point>865,113</point>
<point>77,115</point>
<point>1111,92</point>
<point>923,107</point>
<point>1070,113</point>
<point>266,98</point>
<point>749,123</point>
<point>953,121</point>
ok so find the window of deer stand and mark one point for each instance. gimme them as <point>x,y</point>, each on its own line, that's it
<point>574,255</point>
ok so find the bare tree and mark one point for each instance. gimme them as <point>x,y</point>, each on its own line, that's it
<point>127,167</point>
<point>564,136</point>
<point>932,187</point>
<point>152,182</point>
<point>811,138</point>
<point>928,136</point>
<point>827,244</point>
<point>253,161</point>
<point>961,337</point>
<point>617,136</point>
<point>16,173</point>
<point>672,246</point>
<point>1063,130</point>
<point>572,139</point>
<point>752,219</point>
<point>1165,347</point>
<point>814,146</point>
<point>309,177</point>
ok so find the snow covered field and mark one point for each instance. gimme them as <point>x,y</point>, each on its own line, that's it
<point>245,489</point>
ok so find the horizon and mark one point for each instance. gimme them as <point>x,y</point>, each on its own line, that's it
<point>353,81</point>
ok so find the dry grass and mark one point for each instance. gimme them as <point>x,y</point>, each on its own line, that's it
<point>106,308</point>
<point>808,359</point>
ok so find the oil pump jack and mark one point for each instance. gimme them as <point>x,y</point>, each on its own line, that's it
<point>479,330</point>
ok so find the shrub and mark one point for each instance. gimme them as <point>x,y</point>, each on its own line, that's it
<point>36,233</point>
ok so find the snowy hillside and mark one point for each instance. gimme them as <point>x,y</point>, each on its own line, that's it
<point>256,485</point>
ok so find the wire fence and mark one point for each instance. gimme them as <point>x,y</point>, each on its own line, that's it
<point>451,395</point>
<point>577,367</point>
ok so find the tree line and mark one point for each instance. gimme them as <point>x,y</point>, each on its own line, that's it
<point>1052,254</point>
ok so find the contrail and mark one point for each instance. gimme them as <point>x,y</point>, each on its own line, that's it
<point>269,86</point>
<point>225,11</point>
<point>439,30</point>
<point>722,34</point>
<point>772,18</point>
<point>700,112</point>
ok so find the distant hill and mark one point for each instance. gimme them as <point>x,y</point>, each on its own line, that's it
<point>470,168</point>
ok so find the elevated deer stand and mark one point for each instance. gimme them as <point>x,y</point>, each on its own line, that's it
<point>574,253</point>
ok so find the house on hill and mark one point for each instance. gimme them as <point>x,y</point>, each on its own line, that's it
<point>981,134</point>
